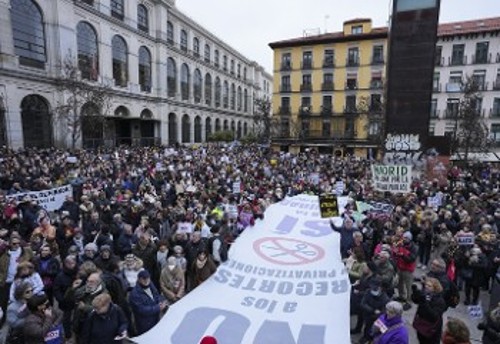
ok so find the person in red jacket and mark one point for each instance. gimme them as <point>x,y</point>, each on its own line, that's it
<point>405,257</point>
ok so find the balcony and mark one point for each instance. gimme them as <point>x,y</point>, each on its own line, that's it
<point>495,112</point>
<point>454,87</point>
<point>350,110</point>
<point>434,114</point>
<point>375,108</point>
<point>328,63</point>
<point>327,136</point>
<point>285,88</point>
<point>457,61</point>
<point>326,110</point>
<point>352,62</point>
<point>436,88</point>
<point>307,65</point>
<point>306,88</point>
<point>376,84</point>
<point>305,110</point>
<point>351,85</point>
<point>327,86</point>
<point>286,66</point>
<point>284,110</point>
<point>481,59</point>
<point>496,85</point>
<point>377,60</point>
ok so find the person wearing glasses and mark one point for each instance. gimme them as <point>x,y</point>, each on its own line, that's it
<point>43,321</point>
<point>9,260</point>
<point>17,312</point>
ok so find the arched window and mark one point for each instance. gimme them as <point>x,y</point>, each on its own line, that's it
<point>196,47</point>
<point>238,131</point>
<point>217,124</point>
<point>233,127</point>
<point>170,33</point>
<point>36,122</point>
<point>216,58</point>
<point>208,89</point>
<point>197,85</point>
<point>207,53</point>
<point>239,71</point>
<point>171,77</point>
<point>120,61</point>
<point>218,91</point>
<point>233,96</point>
<point>245,129</point>
<point>244,73</point>
<point>232,67</point>
<point>245,100</point>
<point>226,125</point>
<point>88,55</point>
<point>185,82</point>
<point>117,9</point>
<point>208,128</point>
<point>186,129</point>
<point>225,94</point>
<point>197,129</point>
<point>28,33</point>
<point>184,40</point>
<point>240,95</point>
<point>172,129</point>
<point>145,69</point>
<point>142,18</point>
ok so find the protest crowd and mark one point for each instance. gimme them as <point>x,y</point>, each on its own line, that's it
<point>142,227</point>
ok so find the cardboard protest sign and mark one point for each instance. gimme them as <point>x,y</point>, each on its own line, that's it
<point>280,284</point>
<point>392,178</point>
<point>465,240</point>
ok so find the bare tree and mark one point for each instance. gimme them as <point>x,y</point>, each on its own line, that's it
<point>83,103</point>
<point>471,133</point>
<point>375,112</point>
<point>263,121</point>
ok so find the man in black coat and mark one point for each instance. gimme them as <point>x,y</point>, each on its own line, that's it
<point>62,283</point>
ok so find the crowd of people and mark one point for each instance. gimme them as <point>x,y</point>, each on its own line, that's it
<point>145,226</point>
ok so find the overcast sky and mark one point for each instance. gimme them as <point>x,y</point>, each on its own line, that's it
<point>249,25</point>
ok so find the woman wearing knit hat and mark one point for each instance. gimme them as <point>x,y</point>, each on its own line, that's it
<point>208,340</point>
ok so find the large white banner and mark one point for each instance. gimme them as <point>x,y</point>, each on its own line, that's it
<point>50,200</point>
<point>392,178</point>
<point>284,283</point>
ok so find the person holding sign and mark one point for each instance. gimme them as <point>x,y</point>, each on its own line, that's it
<point>389,328</point>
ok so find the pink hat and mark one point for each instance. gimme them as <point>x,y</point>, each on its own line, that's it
<point>208,340</point>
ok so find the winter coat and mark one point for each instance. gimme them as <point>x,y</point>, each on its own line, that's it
<point>172,283</point>
<point>15,316</point>
<point>48,268</point>
<point>397,332</point>
<point>346,239</point>
<point>430,308</point>
<point>405,257</point>
<point>26,256</point>
<point>62,283</point>
<point>103,328</point>
<point>479,270</point>
<point>386,273</point>
<point>371,303</point>
<point>124,244</point>
<point>201,275</point>
<point>491,328</point>
<point>148,256</point>
<point>36,326</point>
<point>146,309</point>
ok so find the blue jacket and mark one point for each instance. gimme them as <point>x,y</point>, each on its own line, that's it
<point>146,309</point>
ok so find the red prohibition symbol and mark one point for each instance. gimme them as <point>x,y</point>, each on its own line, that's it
<point>284,251</point>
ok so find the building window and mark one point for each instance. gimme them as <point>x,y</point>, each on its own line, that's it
<point>196,47</point>
<point>28,33</point>
<point>117,9</point>
<point>239,71</point>
<point>352,82</point>
<point>225,95</point>
<point>88,2</point>
<point>170,33</point>
<point>376,103</point>
<point>245,74</point>
<point>436,86</point>
<point>285,83</point>
<point>481,55</point>
<point>286,61</point>
<point>326,106</point>
<point>305,106</point>
<point>306,83</point>
<point>88,56</point>
<point>496,83</point>
<point>307,60</point>
<point>452,106</point>
<point>457,55</point>
<point>224,63</point>
<point>171,77</point>
<point>232,67</point>
<point>328,84</point>
<point>120,61</point>
<point>455,82</point>
<point>495,111</point>
<point>216,58</point>
<point>353,57</point>
<point>208,89</point>
<point>239,99</point>
<point>495,133</point>
<point>285,106</point>
<point>185,82</point>
<point>142,18</point>
<point>207,53</point>
<point>434,113</point>
<point>439,56</point>
<point>197,86</point>
<point>329,58</point>
<point>233,97</point>
<point>245,100</point>
<point>378,54</point>
<point>326,129</point>
<point>184,40</point>
<point>145,69</point>
<point>479,79</point>
<point>350,104</point>
<point>357,29</point>
<point>218,92</point>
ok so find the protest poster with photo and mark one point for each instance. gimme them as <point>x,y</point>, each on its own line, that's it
<point>280,284</point>
<point>392,178</point>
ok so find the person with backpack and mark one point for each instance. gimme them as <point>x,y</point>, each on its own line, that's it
<point>217,246</point>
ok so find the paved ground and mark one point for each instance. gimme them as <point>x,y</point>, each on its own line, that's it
<point>460,312</point>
